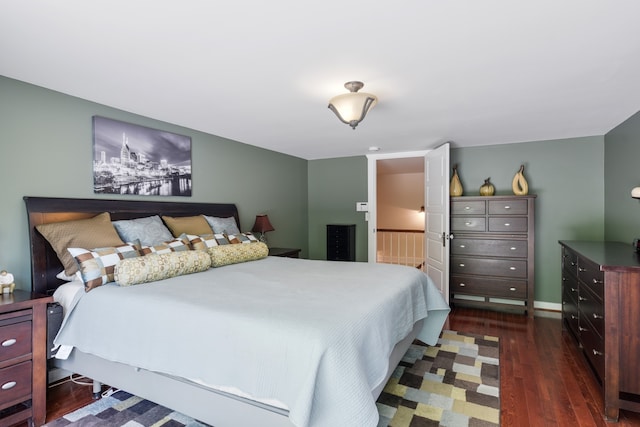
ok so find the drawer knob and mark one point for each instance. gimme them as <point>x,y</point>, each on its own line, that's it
<point>462,285</point>
<point>468,223</point>
<point>574,290</point>
<point>596,281</point>
<point>466,208</point>
<point>506,224</point>
<point>597,353</point>
<point>573,264</point>
<point>512,289</point>
<point>581,329</point>
<point>9,342</point>
<point>512,268</point>
<point>582,269</point>
<point>8,385</point>
<point>461,265</point>
<point>598,316</point>
<point>507,207</point>
<point>462,246</point>
<point>581,298</point>
<point>574,317</point>
<point>513,248</point>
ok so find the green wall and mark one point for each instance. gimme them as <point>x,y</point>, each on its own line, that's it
<point>582,184</point>
<point>46,150</point>
<point>335,185</point>
<point>567,176</point>
<point>621,158</point>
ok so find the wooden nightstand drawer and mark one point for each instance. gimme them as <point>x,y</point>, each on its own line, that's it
<point>15,384</point>
<point>15,340</point>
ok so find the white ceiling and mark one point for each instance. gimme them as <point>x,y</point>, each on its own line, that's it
<point>261,72</point>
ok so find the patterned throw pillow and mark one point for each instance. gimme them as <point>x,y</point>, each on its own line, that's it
<point>178,244</point>
<point>234,254</point>
<point>97,266</point>
<point>162,266</point>
<point>206,241</point>
<point>241,238</point>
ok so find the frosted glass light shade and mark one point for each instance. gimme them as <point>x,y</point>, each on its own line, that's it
<point>351,108</point>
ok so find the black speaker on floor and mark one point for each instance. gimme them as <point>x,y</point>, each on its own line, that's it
<point>54,321</point>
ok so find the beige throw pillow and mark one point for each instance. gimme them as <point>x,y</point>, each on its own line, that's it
<point>187,225</point>
<point>96,232</point>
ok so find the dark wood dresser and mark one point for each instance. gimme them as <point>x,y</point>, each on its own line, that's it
<point>601,309</point>
<point>341,242</point>
<point>492,251</point>
<point>23,367</point>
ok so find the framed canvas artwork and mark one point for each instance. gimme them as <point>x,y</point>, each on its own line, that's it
<point>137,160</point>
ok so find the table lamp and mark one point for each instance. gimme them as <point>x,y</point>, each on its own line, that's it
<point>262,225</point>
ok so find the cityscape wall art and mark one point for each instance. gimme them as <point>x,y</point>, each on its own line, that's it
<point>137,160</point>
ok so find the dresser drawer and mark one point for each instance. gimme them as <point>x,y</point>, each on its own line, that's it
<point>593,346</point>
<point>468,207</point>
<point>15,384</point>
<point>508,224</point>
<point>489,267</point>
<point>592,309</point>
<point>570,308</point>
<point>570,262</point>
<point>589,273</point>
<point>468,224</point>
<point>492,247</point>
<point>488,287</point>
<point>508,207</point>
<point>15,340</point>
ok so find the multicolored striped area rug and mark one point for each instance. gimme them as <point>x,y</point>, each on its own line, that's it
<point>455,383</point>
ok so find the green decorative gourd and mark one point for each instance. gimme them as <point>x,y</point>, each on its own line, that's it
<point>487,189</point>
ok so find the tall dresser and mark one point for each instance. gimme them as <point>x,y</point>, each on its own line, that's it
<point>600,307</point>
<point>341,242</point>
<point>492,252</point>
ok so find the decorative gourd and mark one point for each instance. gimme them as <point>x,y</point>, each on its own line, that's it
<point>487,189</point>
<point>519,184</point>
<point>455,189</point>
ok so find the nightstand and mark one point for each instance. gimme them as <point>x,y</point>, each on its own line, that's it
<point>285,252</point>
<point>23,358</point>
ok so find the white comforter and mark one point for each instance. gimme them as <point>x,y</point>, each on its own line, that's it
<point>314,335</point>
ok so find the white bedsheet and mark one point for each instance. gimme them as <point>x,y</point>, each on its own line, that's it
<point>314,335</point>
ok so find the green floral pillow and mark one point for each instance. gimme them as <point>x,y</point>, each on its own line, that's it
<point>155,267</point>
<point>234,254</point>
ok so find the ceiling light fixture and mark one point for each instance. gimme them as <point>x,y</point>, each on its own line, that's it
<point>352,107</point>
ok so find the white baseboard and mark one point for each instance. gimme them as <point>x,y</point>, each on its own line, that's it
<point>551,306</point>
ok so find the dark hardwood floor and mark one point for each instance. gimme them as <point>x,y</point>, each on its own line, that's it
<point>545,380</point>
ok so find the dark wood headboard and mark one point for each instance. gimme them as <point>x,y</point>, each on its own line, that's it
<point>42,210</point>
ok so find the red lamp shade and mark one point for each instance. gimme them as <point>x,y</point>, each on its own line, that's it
<point>262,224</point>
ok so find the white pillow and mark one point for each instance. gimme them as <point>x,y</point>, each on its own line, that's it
<point>65,293</point>
<point>63,276</point>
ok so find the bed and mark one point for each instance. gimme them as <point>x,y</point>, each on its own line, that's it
<point>270,342</point>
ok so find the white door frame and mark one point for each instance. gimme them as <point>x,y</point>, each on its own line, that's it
<point>372,194</point>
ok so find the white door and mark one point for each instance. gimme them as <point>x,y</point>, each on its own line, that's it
<point>436,199</point>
